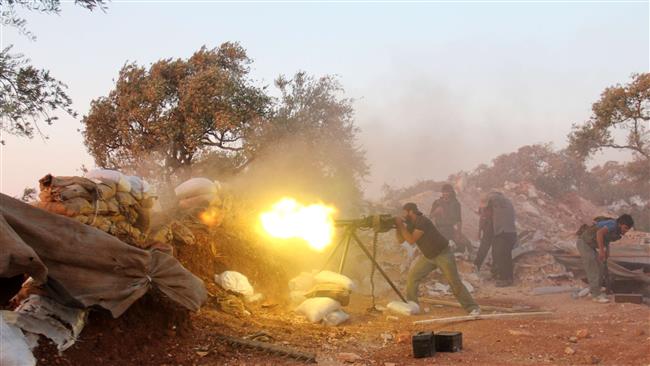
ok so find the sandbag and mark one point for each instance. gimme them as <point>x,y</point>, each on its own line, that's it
<point>303,282</point>
<point>14,345</point>
<point>55,208</point>
<point>235,281</point>
<point>148,202</point>
<point>332,277</point>
<point>315,309</point>
<point>74,191</point>
<point>106,190</point>
<point>79,264</point>
<point>335,318</point>
<point>195,187</point>
<point>112,176</point>
<point>331,290</point>
<point>202,200</point>
<point>125,199</point>
<point>297,297</point>
<point>49,181</point>
<point>78,206</point>
<point>403,308</point>
<point>183,234</point>
<point>139,187</point>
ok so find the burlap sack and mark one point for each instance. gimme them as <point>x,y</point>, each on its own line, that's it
<point>86,265</point>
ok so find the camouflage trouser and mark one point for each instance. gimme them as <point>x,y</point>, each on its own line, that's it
<point>447,264</point>
<point>592,266</point>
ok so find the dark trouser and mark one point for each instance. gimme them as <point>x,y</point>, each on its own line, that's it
<point>483,249</point>
<point>462,243</point>
<point>447,264</point>
<point>502,255</point>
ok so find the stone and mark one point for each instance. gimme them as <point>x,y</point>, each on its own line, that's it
<point>348,357</point>
<point>592,360</point>
<point>569,351</point>
<point>520,332</point>
<point>582,333</point>
<point>573,339</point>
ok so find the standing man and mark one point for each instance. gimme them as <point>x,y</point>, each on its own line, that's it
<point>485,232</point>
<point>593,245</point>
<point>445,213</point>
<point>505,236</point>
<point>434,246</point>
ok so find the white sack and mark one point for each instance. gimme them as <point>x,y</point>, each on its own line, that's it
<point>316,308</point>
<point>403,308</point>
<point>339,279</point>
<point>112,176</point>
<point>194,187</point>
<point>15,350</point>
<point>303,282</point>
<point>138,185</point>
<point>235,281</point>
<point>335,318</point>
<point>297,297</point>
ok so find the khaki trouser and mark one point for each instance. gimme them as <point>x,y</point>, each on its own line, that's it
<point>447,264</point>
<point>592,266</point>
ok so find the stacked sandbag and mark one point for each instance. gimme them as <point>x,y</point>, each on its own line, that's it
<point>106,199</point>
<point>204,197</point>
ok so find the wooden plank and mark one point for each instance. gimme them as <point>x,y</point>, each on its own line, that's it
<point>483,307</point>
<point>454,319</point>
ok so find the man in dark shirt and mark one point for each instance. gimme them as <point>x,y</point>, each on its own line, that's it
<point>434,246</point>
<point>445,213</point>
<point>505,236</point>
<point>485,233</point>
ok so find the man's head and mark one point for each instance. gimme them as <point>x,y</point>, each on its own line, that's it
<point>447,191</point>
<point>410,211</point>
<point>625,223</point>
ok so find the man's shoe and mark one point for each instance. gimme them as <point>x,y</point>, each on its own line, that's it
<point>600,299</point>
<point>475,312</point>
<point>503,283</point>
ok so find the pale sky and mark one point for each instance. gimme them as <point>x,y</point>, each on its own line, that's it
<point>439,87</point>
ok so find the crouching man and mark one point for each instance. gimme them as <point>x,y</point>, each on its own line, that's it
<point>593,245</point>
<point>434,246</point>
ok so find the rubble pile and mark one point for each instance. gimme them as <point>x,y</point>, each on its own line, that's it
<point>545,225</point>
<point>120,207</point>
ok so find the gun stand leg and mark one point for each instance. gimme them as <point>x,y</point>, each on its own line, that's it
<point>336,248</point>
<point>348,236</point>
<point>381,270</point>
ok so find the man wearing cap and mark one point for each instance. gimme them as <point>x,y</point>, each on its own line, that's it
<point>415,228</point>
<point>445,214</point>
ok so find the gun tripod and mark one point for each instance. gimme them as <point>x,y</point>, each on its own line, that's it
<point>349,236</point>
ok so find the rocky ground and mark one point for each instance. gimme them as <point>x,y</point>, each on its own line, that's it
<point>578,332</point>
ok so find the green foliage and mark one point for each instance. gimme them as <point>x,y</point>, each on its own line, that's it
<point>620,107</point>
<point>157,121</point>
<point>29,195</point>
<point>312,127</point>
<point>554,172</point>
<point>28,94</point>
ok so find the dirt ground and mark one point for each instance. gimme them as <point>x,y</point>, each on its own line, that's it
<point>616,334</point>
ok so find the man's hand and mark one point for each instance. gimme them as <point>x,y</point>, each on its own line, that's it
<point>602,256</point>
<point>399,221</point>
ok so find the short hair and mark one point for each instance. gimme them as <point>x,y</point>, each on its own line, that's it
<point>447,188</point>
<point>410,206</point>
<point>625,219</point>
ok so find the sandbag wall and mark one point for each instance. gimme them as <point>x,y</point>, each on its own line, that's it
<point>114,206</point>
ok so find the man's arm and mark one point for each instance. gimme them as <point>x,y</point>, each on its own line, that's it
<point>600,239</point>
<point>411,238</point>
